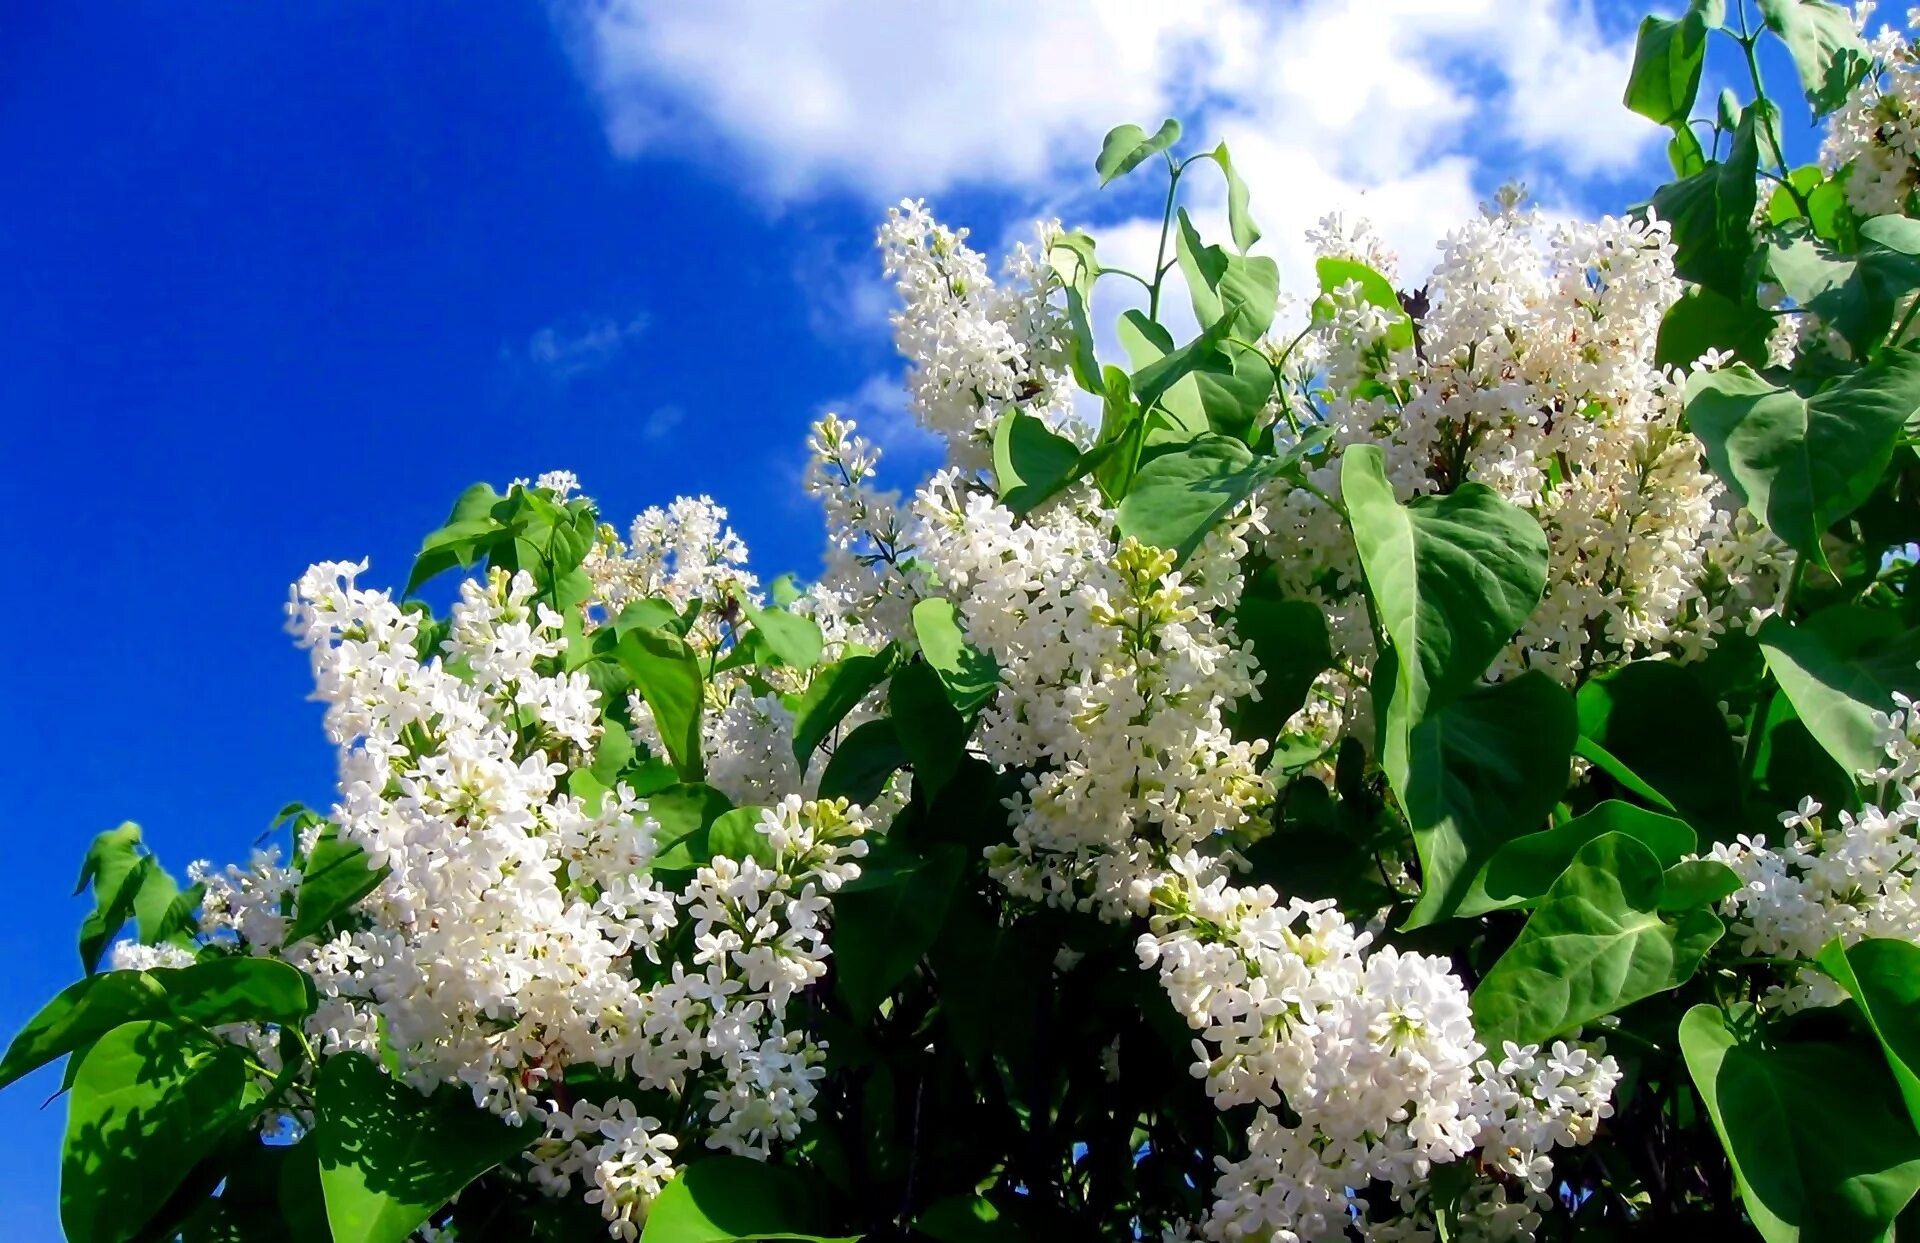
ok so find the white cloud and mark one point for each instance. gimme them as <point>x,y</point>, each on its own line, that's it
<point>580,345</point>
<point>879,408</point>
<point>884,99</point>
<point>661,421</point>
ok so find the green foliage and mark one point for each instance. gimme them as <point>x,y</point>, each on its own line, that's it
<point>1601,939</point>
<point>886,921</point>
<point>1450,579</point>
<point>835,691</point>
<point>1031,463</point>
<point>1819,1144</point>
<point>969,675</point>
<point>1667,60</point>
<point>1883,977</point>
<point>1179,496</point>
<point>335,878</point>
<point>1803,463</point>
<point>149,1103</point>
<point>1625,716</point>
<point>1127,146</point>
<point>1839,668</point>
<point>389,1156</point>
<point>1711,212</point>
<point>723,1199</point>
<point>668,676</point>
<point>997,1065</point>
<point>1525,868</point>
<point>1825,44</point>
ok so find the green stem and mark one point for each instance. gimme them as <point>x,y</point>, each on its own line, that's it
<point>1906,321</point>
<point>1764,703</point>
<point>1166,227</point>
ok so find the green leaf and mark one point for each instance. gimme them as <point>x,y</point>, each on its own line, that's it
<point>1241,291</point>
<point>270,1193</point>
<point>967,1219</point>
<point>667,675</point>
<point>1291,647</point>
<point>79,1015</point>
<point>1712,217</point>
<point>1168,380</point>
<point>1072,258</point>
<point>128,883</point>
<point>1374,288</point>
<point>1179,496</point>
<point>1839,668</point>
<point>686,815</point>
<point>1667,59</point>
<point>970,675</point>
<point>1597,942</point>
<point>794,640</point>
<point>1820,1149</point>
<point>1703,320</point>
<point>929,728</point>
<point>1031,464</point>
<point>1801,463</point>
<point>1697,882</point>
<point>149,1102</point>
<point>859,767</point>
<point>1883,976</point>
<point>1856,294</point>
<point>836,690</point>
<point>1452,577</point>
<point>1239,221</point>
<point>1826,47</point>
<point>1127,145</point>
<point>1684,153</point>
<point>238,989</point>
<point>884,922</point>
<point>1177,415</point>
<point>730,1199</point>
<point>1628,719</point>
<point>736,835</point>
<point>335,878</point>
<point>389,1156</point>
<point>785,590</point>
<point>1484,768</point>
<point>1526,867</point>
<point>467,536</point>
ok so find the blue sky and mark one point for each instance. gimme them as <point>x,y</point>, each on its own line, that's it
<point>279,280</point>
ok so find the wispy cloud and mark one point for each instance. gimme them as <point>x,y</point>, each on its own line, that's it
<point>582,344</point>
<point>661,421</point>
<point>879,407</point>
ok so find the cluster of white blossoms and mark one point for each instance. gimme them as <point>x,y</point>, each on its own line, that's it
<point>974,346</point>
<point>1532,371</point>
<point>518,931</point>
<point>1873,135</point>
<point>1372,1050</point>
<point>1116,671</point>
<point>1849,880</point>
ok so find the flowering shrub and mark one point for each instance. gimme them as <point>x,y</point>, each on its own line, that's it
<point>1425,757</point>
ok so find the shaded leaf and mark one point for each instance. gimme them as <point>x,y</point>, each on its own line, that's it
<point>1820,1148</point>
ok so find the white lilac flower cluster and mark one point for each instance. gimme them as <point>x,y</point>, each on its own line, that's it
<point>1116,671</point>
<point>518,932</point>
<point>1850,880</point>
<point>1873,135</point>
<point>1532,371</point>
<point>1372,1052</point>
<point>974,346</point>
